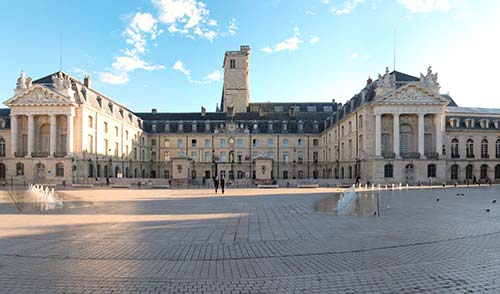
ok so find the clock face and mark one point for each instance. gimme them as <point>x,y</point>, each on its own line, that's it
<point>231,141</point>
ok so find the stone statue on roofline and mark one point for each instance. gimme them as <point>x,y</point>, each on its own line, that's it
<point>429,80</point>
<point>23,83</point>
<point>387,80</point>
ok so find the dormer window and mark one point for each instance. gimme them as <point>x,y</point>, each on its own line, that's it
<point>316,126</point>
<point>454,122</point>
<point>301,126</point>
<point>110,105</point>
<point>311,109</point>
<point>121,112</point>
<point>167,127</point>
<point>153,127</point>
<point>130,117</point>
<point>99,100</point>
<point>207,127</point>
<point>285,126</point>
<point>255,127</point>
<point>484,123</point>
<point>193,127</point>
<point>181,127</point>
<point>270,126</point>
<point>469,123</point>
<point>496,124</point>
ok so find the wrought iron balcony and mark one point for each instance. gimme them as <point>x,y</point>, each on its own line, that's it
<point>432,155</point>
<point>470,156</point>
<point>485,156</point>
<point>60,154</point>
<point>20,154</point>
<point>455,155</point>
<point>388,155</point>
<point>410,155</point>
<point>40,154</point>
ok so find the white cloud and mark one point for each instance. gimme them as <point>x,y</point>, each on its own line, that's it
<point>310,12</point>
<point>140,28</point>
<point>113,79</point>
<point>424,6</point>
<point>347,7</point>
<point>233,27</point>
<point>354,55</point>
<point>290,44</point>
<point>215,76</point>
<point>180,67</point>
<point>187,17</point>
<point>314,40</point>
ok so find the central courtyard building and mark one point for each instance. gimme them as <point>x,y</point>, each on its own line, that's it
<point>398,129</point>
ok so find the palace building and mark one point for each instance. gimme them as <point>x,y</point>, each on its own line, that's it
<point>397,129</point>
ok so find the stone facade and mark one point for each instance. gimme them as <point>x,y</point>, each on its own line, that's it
<point>397,129</point>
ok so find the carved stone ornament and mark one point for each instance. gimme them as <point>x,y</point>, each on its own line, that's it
<point>39,96</point>
<point>179,168</point>
<point>23,83</point>
<point>387,80</point>
<point>429,80</point>
<point>263,169</point>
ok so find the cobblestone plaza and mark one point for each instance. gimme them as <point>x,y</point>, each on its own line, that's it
<point>252,241</point>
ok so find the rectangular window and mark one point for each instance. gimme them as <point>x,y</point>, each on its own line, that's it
<point>232,63</point>
<point>240,156</point>
<point>193,143</point>
<point>254,155</point>
<point>285,143</point>
<point>388,171</point>
<point>207,156</point>
<point>106,146</point>
<point>300,142</point>
<point>300,156</point>
<point>239,143</point>
<point>427,143</point>
<point>315,142</point>
<point>153,155</point>
<point>116,131</point>
<point>153,142</point>
<point>223,143</point>
<point>255,143</point>
<point>166,143</point>
<point>91,122</point>
<point>385,143</point>
<point>207,143</point>
<point>193,155</point>
<point>223,156</point>
<point>269,142</point>
<point>431,171</point>
<point>285,175</point>
<point>270,154</point>
<point>285,157</point>
<point>180,143</point>
<point>116,149</point>
<point>166,154</point>
<point>106,127</point>
<point>90,142</point>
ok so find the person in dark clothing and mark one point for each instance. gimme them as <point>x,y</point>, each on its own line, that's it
<point>222,184</point>
<point>216,184</point>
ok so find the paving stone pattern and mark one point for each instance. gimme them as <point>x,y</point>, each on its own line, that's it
<point>252,241</point>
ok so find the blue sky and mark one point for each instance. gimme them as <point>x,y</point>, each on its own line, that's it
<point>167,54</point>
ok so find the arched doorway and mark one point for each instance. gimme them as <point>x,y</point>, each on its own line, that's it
<point>2,171</point>
<point>39,173</point>
<point>410,173</point>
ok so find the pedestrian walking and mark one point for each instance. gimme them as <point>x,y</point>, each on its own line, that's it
<point>222,184</point>
<point>216,184</point>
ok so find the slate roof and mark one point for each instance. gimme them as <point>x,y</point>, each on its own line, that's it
<point>472,110</point>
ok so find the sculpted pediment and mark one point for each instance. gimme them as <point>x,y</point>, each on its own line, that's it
<point>38,95</point>
<point>412,94</point>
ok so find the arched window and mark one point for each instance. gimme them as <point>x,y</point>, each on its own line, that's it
<point>497,148</point>
<point>350,172</point>
<point>431,170</point>
<point>484,148</point>
<point>193,174</point>
<point>2,147</point>
<point>497,172</point>
<point>342,172</point>
<point>59,170</point>
<point>336,172</point>
<point>166,174</point>
<point>135,172</point>
<point>469,148</point>
<point>19,169</point>
<point>469,170</point>
<point>388,171</point>
<point>2,171</point>
<point>91,170</point>
<point>454,172</point>
<point>454,148</point>
<point>484,171</point>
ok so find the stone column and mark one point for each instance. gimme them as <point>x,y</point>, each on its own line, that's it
<point>13,134</point>
<point>53,134</point>
<point>70,134</point>
<point>378,135</point>
<point>396,134</point>
<point>31,134</point>
<point>439,134</point>
<point>421,132</point>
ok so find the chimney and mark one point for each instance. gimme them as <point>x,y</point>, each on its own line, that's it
<point>203,111</point>
<point>153,110</point>
<point>261,111</point>
<point>86,81</point>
